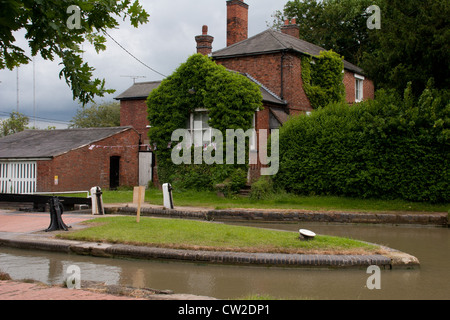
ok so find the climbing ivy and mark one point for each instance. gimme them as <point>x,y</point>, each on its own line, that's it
<point>323,78</point>
<point>230,98</point>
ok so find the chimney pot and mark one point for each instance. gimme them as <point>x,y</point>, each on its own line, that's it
<point>204,42</point>
<point>291,28</point>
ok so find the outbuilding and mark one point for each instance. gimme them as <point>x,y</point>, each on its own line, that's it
<point>69,160</point>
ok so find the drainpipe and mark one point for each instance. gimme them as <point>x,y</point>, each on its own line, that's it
<point>282,74</point>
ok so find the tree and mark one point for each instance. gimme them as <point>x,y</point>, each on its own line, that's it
<point>413,45</point>
<point>103,115</point>
<point>57,28</point>
<point>338,25</point>
<point>15,123</point>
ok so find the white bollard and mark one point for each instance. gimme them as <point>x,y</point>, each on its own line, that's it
<point>167,193</point>
<point>97,201</point>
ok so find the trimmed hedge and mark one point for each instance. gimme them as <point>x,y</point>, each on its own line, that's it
<point>385,148</point>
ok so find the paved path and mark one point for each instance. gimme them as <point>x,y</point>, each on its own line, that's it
<point>11,290</point>
<point>19,222</point>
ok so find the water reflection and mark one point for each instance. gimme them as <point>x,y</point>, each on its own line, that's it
<point>430,281</point>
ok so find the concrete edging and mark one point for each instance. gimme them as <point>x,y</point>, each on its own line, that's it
<point>435,219</point>
<point>31,242</point>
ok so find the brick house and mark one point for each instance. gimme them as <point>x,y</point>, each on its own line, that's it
<point>69,160</point>
<point>272,59</point>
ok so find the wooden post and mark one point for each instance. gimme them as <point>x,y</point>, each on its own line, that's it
<point>140,199</point>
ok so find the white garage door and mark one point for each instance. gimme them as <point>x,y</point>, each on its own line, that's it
<point>18,177</point>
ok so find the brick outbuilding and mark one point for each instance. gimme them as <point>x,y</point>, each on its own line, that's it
<point>69,160</point>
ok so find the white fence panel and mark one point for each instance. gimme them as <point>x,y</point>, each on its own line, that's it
<point>18,177</point>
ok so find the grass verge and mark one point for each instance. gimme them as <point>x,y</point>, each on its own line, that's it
<point>199,235</point>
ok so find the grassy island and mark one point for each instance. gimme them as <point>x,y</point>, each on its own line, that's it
<point>202,235</point>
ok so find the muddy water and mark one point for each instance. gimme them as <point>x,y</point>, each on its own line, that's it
<point>429,244</point>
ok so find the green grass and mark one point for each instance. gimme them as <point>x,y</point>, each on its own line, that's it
<point>199,235</point>
<point>277,201</point>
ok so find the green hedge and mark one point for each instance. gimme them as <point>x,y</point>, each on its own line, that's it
<point>386,148</point>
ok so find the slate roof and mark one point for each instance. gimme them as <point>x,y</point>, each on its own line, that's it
<point>141,90</point>
<point>38,144</point>
<point>271,41</point>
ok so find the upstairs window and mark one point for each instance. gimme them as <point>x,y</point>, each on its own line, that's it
<point>359,91</point>
<point>199,128</point>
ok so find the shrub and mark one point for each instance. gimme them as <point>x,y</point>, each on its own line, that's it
<point>385,148</point>
<point>262,188</point>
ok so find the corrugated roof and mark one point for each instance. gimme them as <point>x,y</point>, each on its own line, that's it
<point>50,143</point>
<point>273,41</point>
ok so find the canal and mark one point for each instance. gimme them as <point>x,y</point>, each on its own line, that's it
<point>431,245</point>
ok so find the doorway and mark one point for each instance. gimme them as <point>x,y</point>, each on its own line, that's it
<point>114,172</point>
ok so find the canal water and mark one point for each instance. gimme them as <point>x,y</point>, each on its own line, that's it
<point>431,245</point>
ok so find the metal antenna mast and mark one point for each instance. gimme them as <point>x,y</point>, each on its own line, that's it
<point>134,78</point>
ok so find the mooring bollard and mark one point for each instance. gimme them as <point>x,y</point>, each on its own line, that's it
<point>97,201</point>
<point>56,211</point>
<point>167,193</point>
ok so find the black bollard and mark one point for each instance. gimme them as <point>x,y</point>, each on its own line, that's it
<point>56,211</point>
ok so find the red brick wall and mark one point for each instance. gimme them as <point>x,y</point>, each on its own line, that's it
<point>267,70</point>
<point>82,169</point>
<point>134,113</point>
<point>350,84</point>
<point>237,21</point>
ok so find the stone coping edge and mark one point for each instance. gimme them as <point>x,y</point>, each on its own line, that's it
<point>290,216</point>
<point>397,259</point>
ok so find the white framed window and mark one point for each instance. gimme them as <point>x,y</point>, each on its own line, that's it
<point>199,129</point>
<point>253,142</point>
<point>359,88</point>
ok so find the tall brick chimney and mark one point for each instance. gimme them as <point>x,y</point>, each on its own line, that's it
<point>291,28</point>
<point>237,21</point>
<point>204,42</point>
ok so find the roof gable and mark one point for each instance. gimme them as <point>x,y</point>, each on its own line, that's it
<point>270,41</point>
<point>51,143</point>
<point>141,90</point>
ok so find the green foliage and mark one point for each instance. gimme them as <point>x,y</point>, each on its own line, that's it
<point>385,148</point>
<point>412,45</point>
<point>338,25</point>
<point>322,78</point>
<point>262,188</point>
<point>48,34</point>
<point>230,99</point>
<point>95,116</point>
<point>15,123</point>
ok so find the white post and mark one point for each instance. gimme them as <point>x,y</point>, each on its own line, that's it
<point>167,193</point>
<point>97,201</point>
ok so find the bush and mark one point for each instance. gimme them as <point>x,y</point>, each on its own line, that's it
<point>262,189</point>
<point>386,148</point>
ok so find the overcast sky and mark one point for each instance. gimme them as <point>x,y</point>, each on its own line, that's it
<point>165,42</point>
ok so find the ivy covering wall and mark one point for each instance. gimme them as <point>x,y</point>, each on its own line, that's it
<point>231,100</point>
<point>323,78</point>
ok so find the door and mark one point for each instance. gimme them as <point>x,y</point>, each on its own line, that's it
<point>18,177</point>
<point>145,168</point>
<point>114,173</point>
